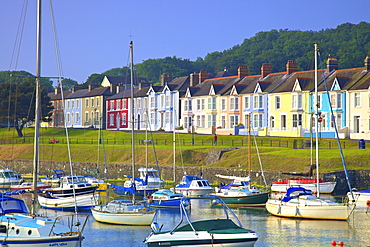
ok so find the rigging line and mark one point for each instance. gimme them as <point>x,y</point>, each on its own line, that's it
<point>336,132</point>
<point>56,43</point>
<point>18,40</point>
<point>259,158</point>
<point>182,159</point>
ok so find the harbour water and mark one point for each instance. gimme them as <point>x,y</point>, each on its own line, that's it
<point>272,231</point>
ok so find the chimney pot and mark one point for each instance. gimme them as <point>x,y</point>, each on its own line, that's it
<point>266,69</point>
<point>242,71</point>
<point>331,63</point>
<point>291,66</point>
<point>367,63</point>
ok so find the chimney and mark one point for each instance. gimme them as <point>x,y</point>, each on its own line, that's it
<point>57,90</point>
<point>266,69</point>
<point>203,74</point>
<point>90,86</point>
<point>194,79</point>
<point>331,63</point>
<point>367,63</point>
<point>225,69</point>
<point>165,79</point>
<point>242,71</point>
<point>291,66</point>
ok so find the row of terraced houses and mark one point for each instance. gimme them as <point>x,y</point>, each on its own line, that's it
<point>275,104</point>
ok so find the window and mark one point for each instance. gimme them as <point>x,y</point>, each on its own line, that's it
<point>233,121</point>
<point>77,104</point>
<point>87,103</point>
<point>257,120</point>
<point>152,117</point>
<point>92,102</point>
<point>68,107</point>
<point>124,103</point>
<point>272,122</point>
<point>97,116</point>
<point>203,104</point>
<point>73,104</point>
<point>124,118</point>
<point>86,117</point>
<point>283,122</point>
<point>319,101</point>
<point>162,101</point>
<point>337,118</point>
<point>297,101</point>
<point>112,104</point>
<point>111,119</point>
<point>185,105</point>
<point>339,101</point>
<point>203,121</point>
<point>185,122</point>
<point>118,104</point>
<point>199,104</point>
<point>168,100</point>
<point>167,117</point>
<point>277,102</point>
<point>223,104</point>
<point>151,102</point>
<point>209,103</point>
<point>357,100</point>
<point>198,121</point>
<point>232,103</point>
<point>190,105</point>
<point>97,101</point>
<point>138,103</point>
<point>68,118</point>
<point>236,103</point>
<point>77,116</point>
<point>246,102</point>
<point>333,101</point>
<point>223,121</point>
<point>145,103</point>
<point>297,120</point>
<point>257,104</point>
<point>214,103</point>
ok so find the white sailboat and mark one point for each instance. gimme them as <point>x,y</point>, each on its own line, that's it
<point>301,203</point>
<point>121,211</point>
<point>18,226</point>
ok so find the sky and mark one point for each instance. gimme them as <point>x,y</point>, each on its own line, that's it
<point>93,36</point>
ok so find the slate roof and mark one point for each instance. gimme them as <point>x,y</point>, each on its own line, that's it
<point>126,80</point>
<point>99,91</point>
<point>77,94</point>
<point>125,93</point>
<point>58,96</point>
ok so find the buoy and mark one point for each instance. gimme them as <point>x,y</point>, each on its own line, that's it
<point>368,203</point>
<point>340,243</point>
<point>333,243</point>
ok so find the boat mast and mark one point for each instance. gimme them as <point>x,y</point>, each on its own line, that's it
<point>249,150</point>
<point>317,124</point>
<point>174,141</point>
<point>132,118</point>
<point>37,108</point>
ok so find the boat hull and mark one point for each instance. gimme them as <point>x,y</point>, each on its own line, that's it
<point>193,192</point>
<point>362,200</point>
<point>129,218</point>
<point>203,238</point>
<point>307,210</point>
<point>140,193</point>
<point>325,187</point>
<point>68,241</point>
<point>164,203</point>
<point>85,201</point>
<point>252,200</point>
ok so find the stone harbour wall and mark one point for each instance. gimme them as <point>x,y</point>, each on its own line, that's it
<point>359,179</point>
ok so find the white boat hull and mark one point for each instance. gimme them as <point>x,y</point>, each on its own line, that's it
<point>325,187</point>
<point>194,192</point>
<point>122,218</point>
<point>203,239</point>
<point>362,200</point>
<point>82,201</point>
<point>309,209</point>
<point>67,241</point>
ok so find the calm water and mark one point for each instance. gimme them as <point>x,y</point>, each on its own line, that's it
<point>272,231</point>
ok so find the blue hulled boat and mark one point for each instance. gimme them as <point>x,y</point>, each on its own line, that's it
<point>164,198</point>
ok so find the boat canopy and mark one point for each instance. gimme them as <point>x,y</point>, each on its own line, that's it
<point>12,205</point>
<point>121,188</point>
<point>143,182</point>
<point>302,191</point>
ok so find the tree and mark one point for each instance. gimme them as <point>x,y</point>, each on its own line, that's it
<point>17,103</point>
<point>68,83</point>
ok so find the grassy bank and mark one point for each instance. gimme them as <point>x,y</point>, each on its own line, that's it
<point>276,154</point>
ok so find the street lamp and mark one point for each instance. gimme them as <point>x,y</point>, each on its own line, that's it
<point>192,129</point>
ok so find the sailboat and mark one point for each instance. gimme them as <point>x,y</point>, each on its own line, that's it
<point>239,192</point>
<point>121,211</point>
<point>19,227</point>
<point>299,202</point>
<point>220,231</point>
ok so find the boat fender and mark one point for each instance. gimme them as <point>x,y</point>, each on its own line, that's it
<point>280,180</point>
<point>144,209</point>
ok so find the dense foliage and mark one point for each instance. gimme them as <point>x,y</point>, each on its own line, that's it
<point>349,43</point>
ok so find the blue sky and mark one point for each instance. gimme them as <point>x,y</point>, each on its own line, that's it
<point>94,36</point>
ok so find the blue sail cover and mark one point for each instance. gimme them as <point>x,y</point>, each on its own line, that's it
<point>121,188</point>
<point>12,205</point>
<point>139,180</point>
<point>363,191</point>
<point>227,186</point>
<point>288,196</point>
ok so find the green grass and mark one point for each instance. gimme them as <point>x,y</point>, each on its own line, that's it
<point>85,147</point>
